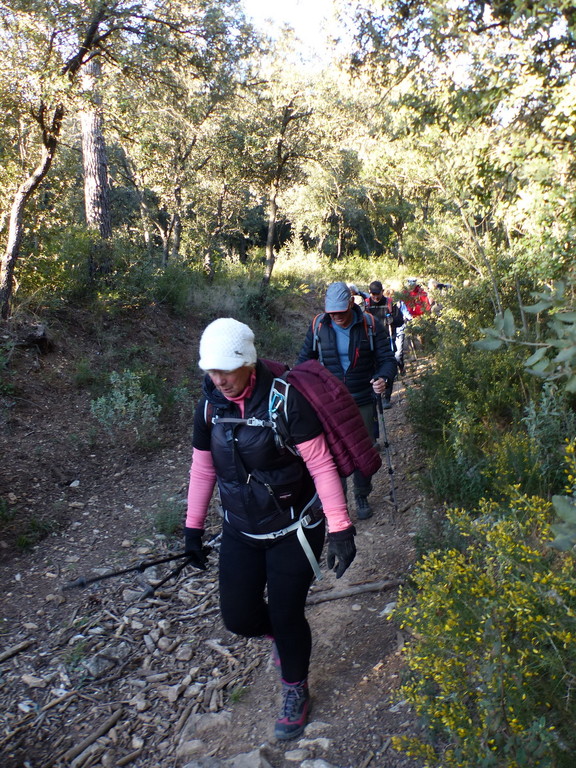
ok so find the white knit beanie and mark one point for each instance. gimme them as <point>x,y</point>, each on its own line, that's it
<point>226,345</point>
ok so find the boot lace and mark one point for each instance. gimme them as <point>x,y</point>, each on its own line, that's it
<point>293,700</point>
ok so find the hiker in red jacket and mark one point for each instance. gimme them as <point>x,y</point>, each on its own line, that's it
<point>355,347</point>
<point>276,505</point>
<point>416,298</point>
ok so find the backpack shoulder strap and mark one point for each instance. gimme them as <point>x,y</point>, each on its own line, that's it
<point>369,326</point>
<point>316,326</point>
<point>278,413</point>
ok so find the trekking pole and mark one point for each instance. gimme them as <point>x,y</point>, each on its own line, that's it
<point>386,445</point>
<point>175,571</point>
<point>411,340</point>
<point>83,581</point>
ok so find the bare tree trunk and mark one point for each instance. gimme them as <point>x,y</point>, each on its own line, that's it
<point>176,224</point>
<point>208,265</point>
<point>96,187</point>
<point>176,236</point>
<point>340,240</point>
<point>23,194</point>
<point>270,256</point>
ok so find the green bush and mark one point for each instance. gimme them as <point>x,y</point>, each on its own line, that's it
<point>126,411</point>
<point>470,413</point>
<point>168,517</point>
<point>174,287</point>
<point>548,421</point>
<point>452,481</point>
<point>492,646</point>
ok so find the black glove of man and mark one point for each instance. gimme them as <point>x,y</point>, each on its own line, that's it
<point>341,550</point>
<point>193,548</point>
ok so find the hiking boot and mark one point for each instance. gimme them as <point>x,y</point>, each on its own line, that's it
<point>363,509</point>
<point>386,403</point>
<point>294,714</point>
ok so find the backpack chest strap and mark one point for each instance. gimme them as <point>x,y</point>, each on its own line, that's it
<point>252,421</point>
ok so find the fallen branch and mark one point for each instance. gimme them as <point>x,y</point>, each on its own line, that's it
<point>367,760</point>
<point>7,654</point>
<point>375,586</point>
<point>55,702</point>
<point>104,728</point>
<point>129,758</point>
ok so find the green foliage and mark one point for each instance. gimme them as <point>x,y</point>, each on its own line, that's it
<point>238,693</point>
<point>492,627</point>
<point>7,512</point>
<point>461,388</point>
<point>174,287</point>
<point>565,506</point>
<point>469,413</point>
<point>168,517</point>
<point>435,530</point>
<point>127,410</point>
<point>555,356</point>
<point>74,655</point>
<point>86,377</point>
<point>34,531</point>
<point>6,386</point>
<point>453,480</point>
<point>548,422</point>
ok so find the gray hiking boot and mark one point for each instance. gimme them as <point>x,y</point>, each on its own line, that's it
<point>363,509</point>
<point>294,714</point>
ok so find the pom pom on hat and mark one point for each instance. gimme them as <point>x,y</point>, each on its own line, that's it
<point>226,345</point>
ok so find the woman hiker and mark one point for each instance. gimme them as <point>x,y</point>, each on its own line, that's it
<point>276,505</point>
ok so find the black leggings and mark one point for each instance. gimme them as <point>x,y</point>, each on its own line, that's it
<point>249,568</point>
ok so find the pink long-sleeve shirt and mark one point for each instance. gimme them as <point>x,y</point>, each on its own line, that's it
<point>318,460</point>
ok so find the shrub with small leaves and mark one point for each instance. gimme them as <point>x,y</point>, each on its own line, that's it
<point>126,410</point>
<point>492,647</point>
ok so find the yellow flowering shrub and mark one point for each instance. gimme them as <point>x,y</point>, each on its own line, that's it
<point>491,658</point>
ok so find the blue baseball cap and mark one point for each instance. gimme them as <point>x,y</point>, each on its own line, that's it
<point>337,298</point>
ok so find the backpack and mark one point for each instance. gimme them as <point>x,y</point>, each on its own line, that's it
<point>346,435</point>
<point>369,328</point>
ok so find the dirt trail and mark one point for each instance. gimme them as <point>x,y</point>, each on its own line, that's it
<point>99,677</point>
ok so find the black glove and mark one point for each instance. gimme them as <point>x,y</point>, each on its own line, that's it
<point>193,548</point>
<point>341,550</point>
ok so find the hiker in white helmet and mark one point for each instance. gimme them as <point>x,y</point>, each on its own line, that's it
<point>276,506</point>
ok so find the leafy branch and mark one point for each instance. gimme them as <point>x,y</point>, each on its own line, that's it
<point>555,355</point>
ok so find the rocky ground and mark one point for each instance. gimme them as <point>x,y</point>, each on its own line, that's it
<point>108,675</point>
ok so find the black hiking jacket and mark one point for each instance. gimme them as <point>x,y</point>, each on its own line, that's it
<point>365,363</point>
<point>263,487</point>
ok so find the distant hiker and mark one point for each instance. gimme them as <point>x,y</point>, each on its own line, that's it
<point>358,296</point>
<point>275,502</point>
<point>394,315</point>
<point>434,289</point>
<point>416,298</point>
<point>355,347</point>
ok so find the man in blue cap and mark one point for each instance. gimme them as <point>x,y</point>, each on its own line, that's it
<point>355,348</point>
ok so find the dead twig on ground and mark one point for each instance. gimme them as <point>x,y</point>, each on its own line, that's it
<point>89,740</point>
<point>9,652</point>
<point>375,586</point>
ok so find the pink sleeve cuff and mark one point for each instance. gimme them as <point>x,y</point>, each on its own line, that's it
<point>320,463</point>
<point>202,482</point>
